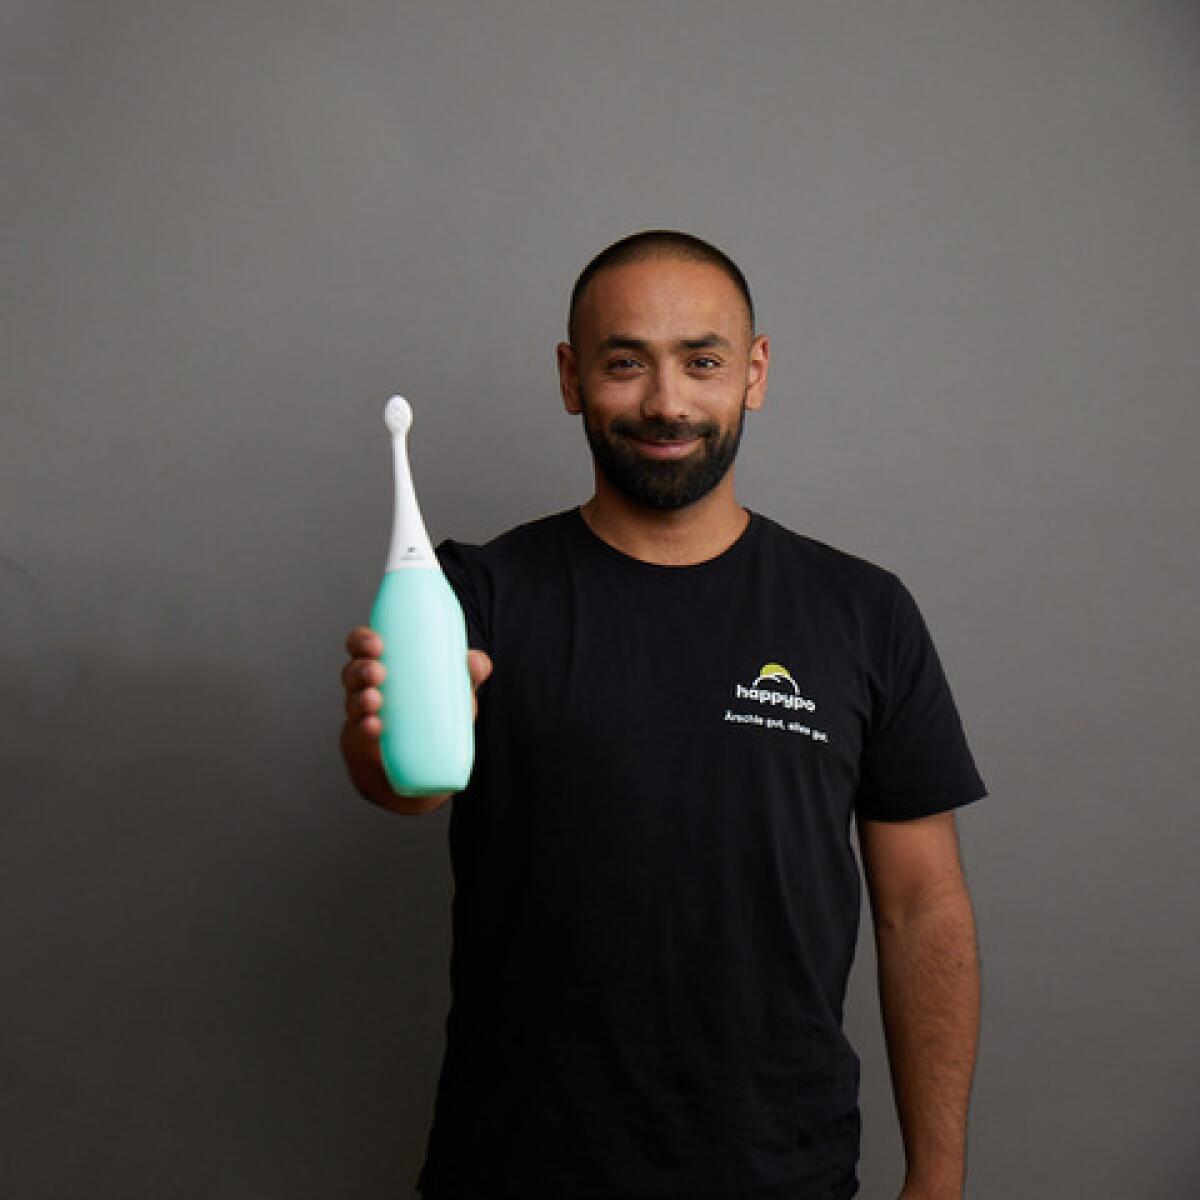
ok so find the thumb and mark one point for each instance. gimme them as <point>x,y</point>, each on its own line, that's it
<point>479,665</point>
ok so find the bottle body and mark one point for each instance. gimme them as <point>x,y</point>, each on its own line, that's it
<point>427,743</point>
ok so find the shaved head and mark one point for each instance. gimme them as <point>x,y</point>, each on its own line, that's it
<point>653,244</point>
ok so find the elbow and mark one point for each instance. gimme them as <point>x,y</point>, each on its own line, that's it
<point>943,904</point>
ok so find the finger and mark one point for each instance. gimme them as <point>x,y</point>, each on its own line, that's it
<point>364,736</point>
<point>363,672</point>
<point>363,703</point>
<point>479,665</point>
<point>363,640</point>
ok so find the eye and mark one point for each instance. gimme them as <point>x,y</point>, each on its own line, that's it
<point>623,364</point>
<point>706,363</point>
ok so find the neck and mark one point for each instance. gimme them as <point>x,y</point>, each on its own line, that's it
<point>674,537</point>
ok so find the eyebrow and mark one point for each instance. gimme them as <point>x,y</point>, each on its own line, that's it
<point>706,341</point>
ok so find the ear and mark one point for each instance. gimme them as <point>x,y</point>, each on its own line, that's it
<point>756,372</point>
<point>568,378</point>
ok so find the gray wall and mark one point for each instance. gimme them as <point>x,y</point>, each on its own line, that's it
<point>231,230</point>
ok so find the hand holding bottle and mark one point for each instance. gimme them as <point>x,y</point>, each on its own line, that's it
<point>418,616</point>
<point>361,680</point>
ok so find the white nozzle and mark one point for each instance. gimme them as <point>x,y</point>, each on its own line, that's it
<point>397,416</point>
<point>410,546</point>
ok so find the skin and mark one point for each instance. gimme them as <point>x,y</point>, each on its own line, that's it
<point>359,742</point>
<point>637,361</point>
<point>662,305</point>
<point>929,991</point>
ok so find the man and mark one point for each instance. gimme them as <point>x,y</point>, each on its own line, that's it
<point>656,894</point>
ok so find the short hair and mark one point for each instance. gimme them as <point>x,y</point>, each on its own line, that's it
<point>652,244</point>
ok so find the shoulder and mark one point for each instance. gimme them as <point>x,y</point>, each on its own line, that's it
<point>531,540</point>
<point>481,574</point>
<point>845,576</point>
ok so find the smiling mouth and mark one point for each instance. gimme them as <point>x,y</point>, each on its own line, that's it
<point>664,448</point>
<point>663,440</point>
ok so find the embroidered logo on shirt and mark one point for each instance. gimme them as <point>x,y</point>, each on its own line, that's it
<point>772,698</point>
<point>775,673</point>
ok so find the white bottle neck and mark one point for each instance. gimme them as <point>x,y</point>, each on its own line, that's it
<point>410,545</point>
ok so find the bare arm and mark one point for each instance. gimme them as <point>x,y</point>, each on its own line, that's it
<point>359,742</point>
<point>929,992</point>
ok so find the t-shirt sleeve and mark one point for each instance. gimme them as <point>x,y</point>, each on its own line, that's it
<point>455,559</point>
<point>916,760</point>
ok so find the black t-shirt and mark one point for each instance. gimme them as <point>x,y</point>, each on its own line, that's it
<point>656,896</point>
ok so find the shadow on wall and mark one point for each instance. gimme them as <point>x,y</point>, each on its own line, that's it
<point>227,973</point>
<point>35,676</point>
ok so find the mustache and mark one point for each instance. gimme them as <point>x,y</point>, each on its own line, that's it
<point>659,430</point>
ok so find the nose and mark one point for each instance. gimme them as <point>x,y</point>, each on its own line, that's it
<point>663,398</point>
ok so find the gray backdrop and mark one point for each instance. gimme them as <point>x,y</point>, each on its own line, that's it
<point>231,230</point>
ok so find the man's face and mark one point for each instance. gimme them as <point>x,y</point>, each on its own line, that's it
<point>663,370</point>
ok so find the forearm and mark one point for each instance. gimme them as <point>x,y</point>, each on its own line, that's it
<point>929,993</point>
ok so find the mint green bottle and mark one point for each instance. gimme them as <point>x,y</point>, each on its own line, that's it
<point>427,744</point>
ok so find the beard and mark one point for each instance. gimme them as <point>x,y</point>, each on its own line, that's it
<point>662,484</point>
